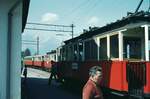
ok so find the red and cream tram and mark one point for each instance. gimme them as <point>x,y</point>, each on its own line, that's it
<point>40,61</point>
<point>121,48</point>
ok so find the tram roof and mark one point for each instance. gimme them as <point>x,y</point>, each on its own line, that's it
<point>51,52</point>
<point>132,18</point>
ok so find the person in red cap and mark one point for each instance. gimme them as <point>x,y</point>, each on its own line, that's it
<point>91,89</point>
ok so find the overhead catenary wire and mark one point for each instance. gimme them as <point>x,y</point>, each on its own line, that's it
<point>84,7</point>
<point>33,23</point>
<point>28,41</point>
<point>77,8</point>
<point>56,28</point>
<point>33,43</point>
<point>47,30</point>
<point>91,8</point>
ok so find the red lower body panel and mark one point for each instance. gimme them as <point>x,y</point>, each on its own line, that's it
<point>28,62</point>
<point>114,73</point>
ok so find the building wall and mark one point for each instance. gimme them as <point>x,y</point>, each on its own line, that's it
<point>10,73</point>
<point>16,54</point>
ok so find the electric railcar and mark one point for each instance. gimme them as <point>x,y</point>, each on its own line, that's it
<point>40,61</point>
<point>121,48</point>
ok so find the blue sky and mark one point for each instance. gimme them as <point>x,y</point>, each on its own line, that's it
<point>81,13</point>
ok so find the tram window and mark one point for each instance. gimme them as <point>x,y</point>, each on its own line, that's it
<point>90,50</point>
<point>114,46</point>
<point>80,51</point>
<point>75,52</point>
<point>63,53</point>
<point>93,50</point>
<point>70,51</point>
<point>87,50</point>
<point>55,57</point>
<point>28,58</point>
<point>59,54</point>
<point>36,58</point>
<point>39,58</point>
<point>103,49</point>
<point>66,55</point>
<point>132,48</point>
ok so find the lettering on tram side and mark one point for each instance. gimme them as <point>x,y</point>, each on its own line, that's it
<point>74,66</point>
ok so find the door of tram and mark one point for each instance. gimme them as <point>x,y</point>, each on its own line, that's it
<point>136,77</point>
<point>132,48</point>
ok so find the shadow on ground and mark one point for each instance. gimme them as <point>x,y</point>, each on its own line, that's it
<point>38,88</point>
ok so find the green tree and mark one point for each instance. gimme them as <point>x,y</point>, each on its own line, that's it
<point>27,52</point>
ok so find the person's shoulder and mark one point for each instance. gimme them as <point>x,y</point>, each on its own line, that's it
<point>88,89</point>
<point>88,85</point>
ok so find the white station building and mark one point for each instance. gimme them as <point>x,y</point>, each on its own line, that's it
<point>13,17</point>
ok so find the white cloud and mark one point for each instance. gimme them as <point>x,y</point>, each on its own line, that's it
<point>93,20</point>
<point>49,18</point>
